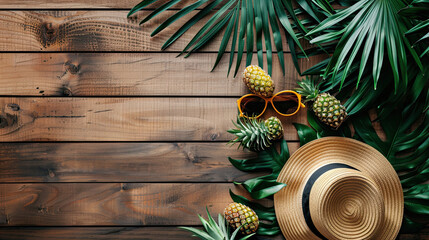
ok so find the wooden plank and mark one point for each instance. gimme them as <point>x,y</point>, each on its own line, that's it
<point>117,233</point>
<point>101,233</point>
<point>110,204</point>
<point>93,31</point>
<point>123,119</point>
<point>129,74</point>
<point>81,4</point>
<point>121,162</point>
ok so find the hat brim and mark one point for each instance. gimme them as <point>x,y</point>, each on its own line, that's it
<point>320,152</point>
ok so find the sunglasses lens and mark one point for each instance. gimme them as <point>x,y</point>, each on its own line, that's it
<point>252,106</point>
<point>286,103</point>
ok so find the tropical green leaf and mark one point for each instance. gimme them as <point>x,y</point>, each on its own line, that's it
<point>262,187</point>
<point>214,22</point>
<point>198,233</point>
<point>249,32</point>
<point>325,5</point>
<point>234,40</point>
<point>159,10</point>
<point>242,36</point>
<point>278,41</point>
<point>418,10</point>
<point>226,36</point>
<point>177,16</point>
<point>409,226</point>
<point>306,134</point>
<point>268,159</point>
<point>267,34</point>
<point>374,27</point>
<point>407,144</point>
<point>140,6</point>
<point>258,28</point>
<point>190,23</point>
<point>263,15</point>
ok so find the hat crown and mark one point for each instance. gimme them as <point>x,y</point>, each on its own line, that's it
<point>346,204</point>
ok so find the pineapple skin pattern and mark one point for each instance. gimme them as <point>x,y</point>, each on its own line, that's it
<point>258,81</point>
<point>329,110</point>
<point>241,216</point>
<point>275,128</point>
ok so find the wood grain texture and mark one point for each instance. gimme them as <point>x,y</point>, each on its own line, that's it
<point>123,119</point>
<point>94,31</point>
<point>121,162</point>
<point>101,233</point>
<point>119,233</point>
<point>80,4</point>
<point>109,204</point>
<point>129,74</point>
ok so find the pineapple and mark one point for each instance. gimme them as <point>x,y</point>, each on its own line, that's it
<point>258,81</point>
<point>325,106</point>
<point>275,128</point>
<point>241,217</point>
<point>256,135</point>
<point>213,230</point>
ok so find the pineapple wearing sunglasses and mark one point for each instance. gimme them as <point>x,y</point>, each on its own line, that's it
<point>325,106</point>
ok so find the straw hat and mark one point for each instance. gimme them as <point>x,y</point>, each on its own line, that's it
<point>339,188</point>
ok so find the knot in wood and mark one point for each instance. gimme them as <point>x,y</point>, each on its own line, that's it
<point>3,122</point>
<point>8,120</point>
<point>72,68</point>
<point>67,91</point>
<point>48,34</point>
<point>13,106</point>
<point>214,136</point>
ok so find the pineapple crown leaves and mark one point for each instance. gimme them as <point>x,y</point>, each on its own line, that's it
<point>213,230</point>
<point>269,159</point>
<point>251,134</point>
<point>308,88</point>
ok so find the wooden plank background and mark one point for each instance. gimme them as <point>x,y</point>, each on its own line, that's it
<point>103,136</point>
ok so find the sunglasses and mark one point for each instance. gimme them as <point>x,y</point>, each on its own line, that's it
<point>285,103</point>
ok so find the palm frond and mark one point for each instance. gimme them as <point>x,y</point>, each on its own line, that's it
<point>375,29</point>
<point>419,10</point>
<point>253,14</point>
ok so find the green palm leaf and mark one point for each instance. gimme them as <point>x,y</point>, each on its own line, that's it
<point>260,14</point>
<point>269,159</point>
<point>419,10</point>
<point>375,29</point>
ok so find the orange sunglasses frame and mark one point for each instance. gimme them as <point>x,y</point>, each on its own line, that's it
<point>300,104</point>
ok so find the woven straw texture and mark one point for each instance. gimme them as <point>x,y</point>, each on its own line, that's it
<point>344,203</point>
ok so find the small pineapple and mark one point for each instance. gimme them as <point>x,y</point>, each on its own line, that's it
<point>258,81</point>
<point>241,217</point>
<point>326,107</point>
<point>213,230</point>
<point>275,128</point>
<point>256,135</point>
